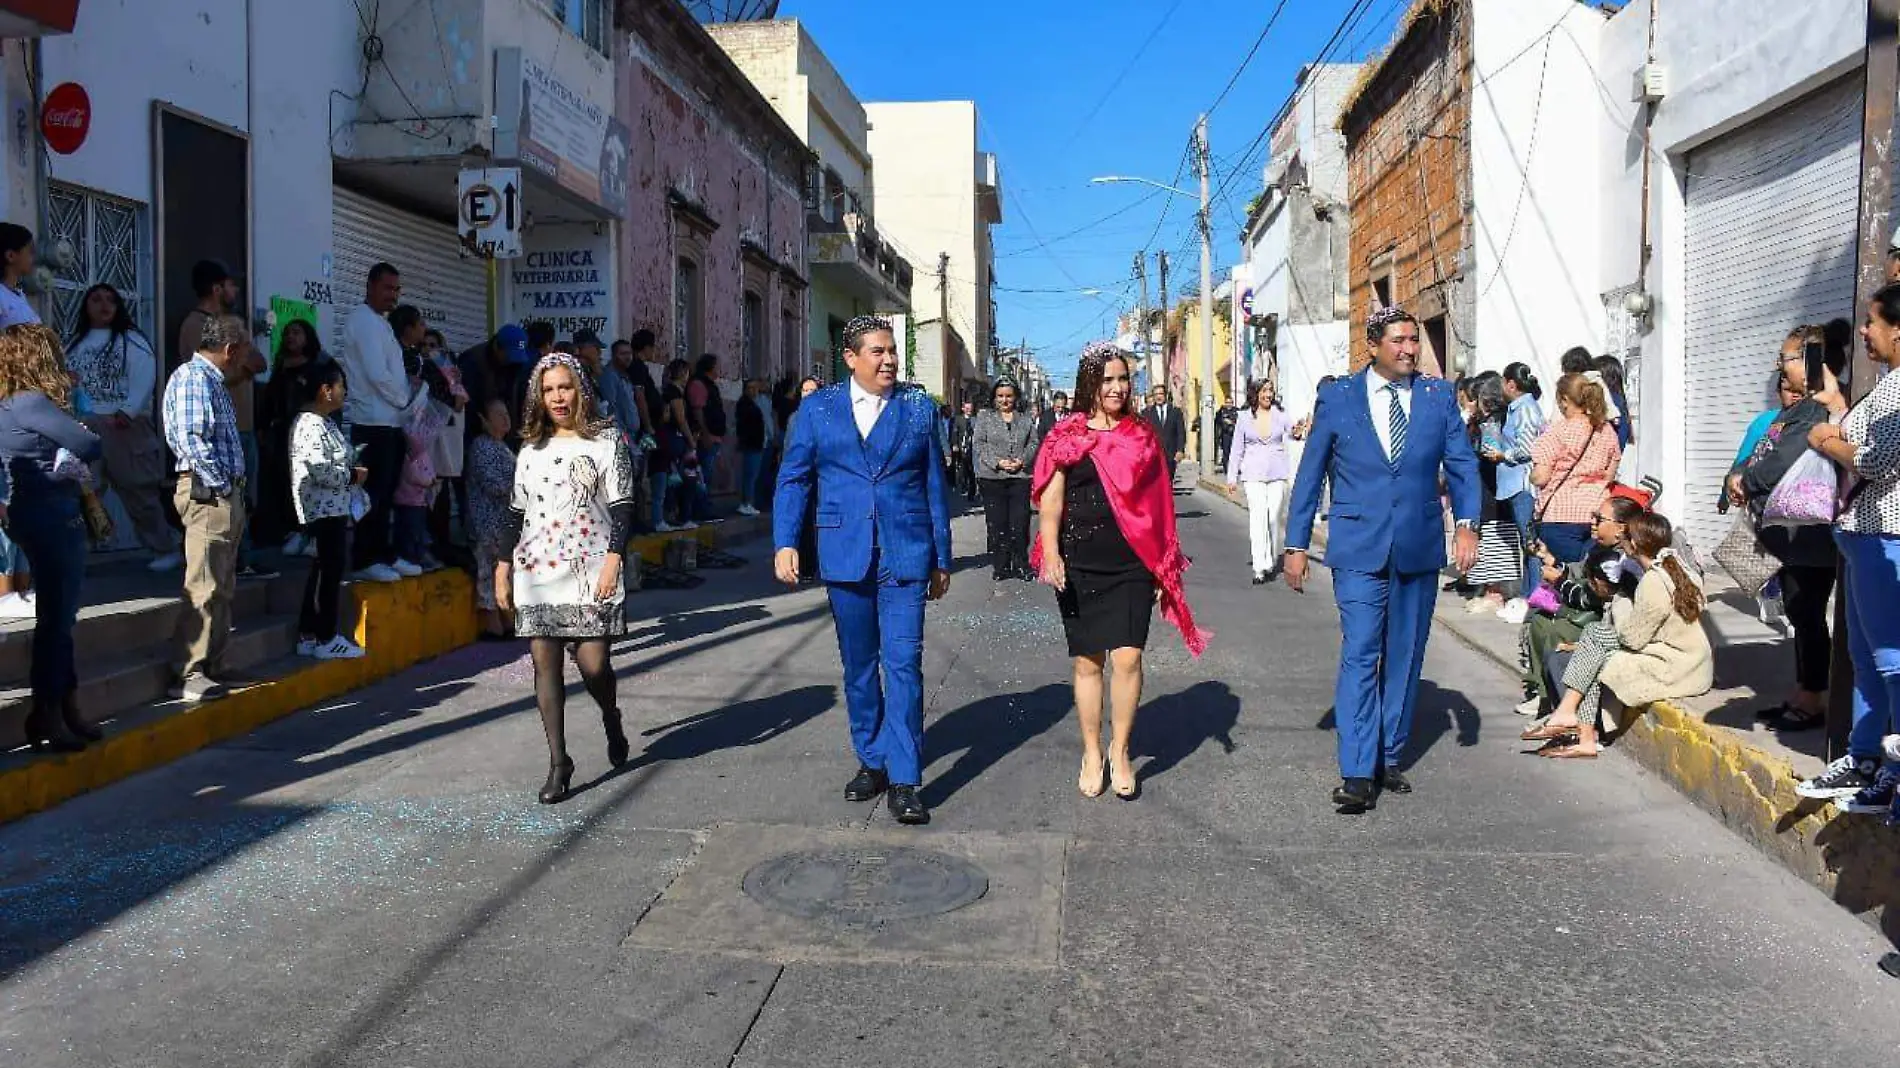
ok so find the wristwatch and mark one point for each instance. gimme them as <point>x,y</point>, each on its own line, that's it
<point>1468,524</point>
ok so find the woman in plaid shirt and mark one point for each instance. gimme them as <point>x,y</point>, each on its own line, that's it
<point>1572,465</point>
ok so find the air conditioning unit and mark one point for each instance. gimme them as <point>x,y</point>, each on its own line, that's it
<point>1650,84</point>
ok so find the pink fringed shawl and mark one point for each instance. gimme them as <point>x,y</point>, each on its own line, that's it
<point>1135,481</point>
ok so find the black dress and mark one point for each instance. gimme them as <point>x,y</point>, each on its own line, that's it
<point>1110,596</point>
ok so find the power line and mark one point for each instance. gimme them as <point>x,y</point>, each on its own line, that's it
<point>1133,62</point>
<point>1083,228</point>
<point>1248,59</point>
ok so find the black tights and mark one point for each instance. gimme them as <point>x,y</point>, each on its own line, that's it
<point>550,685</point>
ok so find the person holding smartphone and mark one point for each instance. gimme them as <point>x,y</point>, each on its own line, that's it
<point>1809,374</point>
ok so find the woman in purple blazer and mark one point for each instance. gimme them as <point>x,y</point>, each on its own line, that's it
<point>1257,463</point>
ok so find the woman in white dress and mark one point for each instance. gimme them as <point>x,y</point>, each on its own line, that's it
<point>559,573</point>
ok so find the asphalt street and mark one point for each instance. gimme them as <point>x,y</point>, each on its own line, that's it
<point>371,882</point>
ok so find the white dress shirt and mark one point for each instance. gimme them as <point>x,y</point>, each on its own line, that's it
<point>1379,402</point>
<point>379,392</point>
<point>866,407</point>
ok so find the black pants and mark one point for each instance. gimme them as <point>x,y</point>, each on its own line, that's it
<point>1006,510</point>
<point>383,453</point>
<point>964,474</point>
<point>1804,594</point>
<point>317,616</point>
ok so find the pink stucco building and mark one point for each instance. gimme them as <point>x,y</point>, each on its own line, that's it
<point>712,252</point>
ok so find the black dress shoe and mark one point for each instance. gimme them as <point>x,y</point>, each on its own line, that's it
<point>868,783</point>
<point>1354,796</point>
<point>1260,578</point>
<point>1394,782</point>
<point>906,807</point>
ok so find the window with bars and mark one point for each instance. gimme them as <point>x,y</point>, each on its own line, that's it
<point>686,304</point>
<point>107,239</point>
<point>586,19</point>
<point>752,330</point>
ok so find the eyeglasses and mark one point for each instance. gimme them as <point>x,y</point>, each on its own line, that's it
<point>1598,517</point>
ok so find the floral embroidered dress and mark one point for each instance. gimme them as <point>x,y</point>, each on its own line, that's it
<point>573,498</point>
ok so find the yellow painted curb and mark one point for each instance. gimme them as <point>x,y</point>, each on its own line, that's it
<point>399,623</point>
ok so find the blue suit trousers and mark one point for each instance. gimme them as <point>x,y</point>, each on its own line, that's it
<point>1387,618</point>
<point>880,624</point>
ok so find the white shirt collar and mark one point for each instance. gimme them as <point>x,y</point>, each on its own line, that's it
<point>859,394</point>
<point>1377,382</point>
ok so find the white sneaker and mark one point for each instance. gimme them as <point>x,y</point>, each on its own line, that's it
<point>167,562</point>
<point>747,510</point>
<point>404,567</point>
<point>1890,745</point>
<point>1514,611</point>
<point>293,545</point>
<point>15,606</point>
<point>687,525</point>
<point>378,573</point>
<point>339,648</point>
<point>665,528</point>
<point>307,646</point>
<point>1529,708</point>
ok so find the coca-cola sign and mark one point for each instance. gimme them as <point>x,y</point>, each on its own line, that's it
<point>66,117</point>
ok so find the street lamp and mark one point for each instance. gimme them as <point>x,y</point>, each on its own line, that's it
<point>1207,281</point>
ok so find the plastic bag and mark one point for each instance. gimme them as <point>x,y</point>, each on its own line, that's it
<point>1807,494</point>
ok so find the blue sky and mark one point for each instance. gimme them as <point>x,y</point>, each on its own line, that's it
<point>1060,103</point>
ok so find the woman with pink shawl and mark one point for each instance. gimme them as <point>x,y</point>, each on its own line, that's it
<point>1108,514</point>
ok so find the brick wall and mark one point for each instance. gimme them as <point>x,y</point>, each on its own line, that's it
<point>1407,164</point>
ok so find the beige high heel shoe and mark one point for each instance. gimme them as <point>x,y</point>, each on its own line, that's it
<point>1091,781</point>
<point>1126,789</point>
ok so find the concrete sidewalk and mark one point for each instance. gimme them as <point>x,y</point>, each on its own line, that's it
<point>1712,749</point>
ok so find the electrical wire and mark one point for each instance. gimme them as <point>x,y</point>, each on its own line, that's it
<point>1133,62</point>
<point>1247,59</point>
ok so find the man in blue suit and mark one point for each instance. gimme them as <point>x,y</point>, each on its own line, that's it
<point>1383,436</point>
<point>871,452</point>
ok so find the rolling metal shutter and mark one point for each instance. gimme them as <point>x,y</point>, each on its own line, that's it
<point>1770,245</point>
<point>451,292</point>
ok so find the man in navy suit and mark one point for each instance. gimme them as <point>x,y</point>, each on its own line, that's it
<point>1382,437</point>
<point>871,452</point>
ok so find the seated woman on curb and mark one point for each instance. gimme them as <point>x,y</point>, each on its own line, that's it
<point>1543,634</point>
<point>1651,648</point>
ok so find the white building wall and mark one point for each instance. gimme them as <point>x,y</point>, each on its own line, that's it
<point>1535,210</point>
<point>1728,62</point>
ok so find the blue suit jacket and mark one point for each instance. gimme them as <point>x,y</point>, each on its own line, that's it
<point>1380,514</point>
<point>884,494</point>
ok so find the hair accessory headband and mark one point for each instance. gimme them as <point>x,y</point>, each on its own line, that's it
<point>1384,317</point>
<point>865,324</point>
<point>1104,350</point>
<point>559,359</point>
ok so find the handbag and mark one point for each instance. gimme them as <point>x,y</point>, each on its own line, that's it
<point>1743,556</point>
<point>1806,495</point>
<point>1534,536</point>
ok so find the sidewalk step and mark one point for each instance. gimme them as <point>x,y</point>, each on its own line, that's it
<point>112,686</point>
<point>122,627</point>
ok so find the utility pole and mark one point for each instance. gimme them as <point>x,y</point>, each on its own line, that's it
<point>943,320</point>
<point>1142,348</point>
<point>1207,300</point>
<point>1875,231</point>
<point>1167,305</point>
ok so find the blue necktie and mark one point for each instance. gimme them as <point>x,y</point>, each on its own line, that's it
<point>1396,421</point>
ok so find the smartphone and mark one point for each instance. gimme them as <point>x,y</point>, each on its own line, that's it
<point>1815,356</point>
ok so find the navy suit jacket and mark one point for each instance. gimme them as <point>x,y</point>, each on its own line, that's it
<point>1384,515</point>
<point>883,495</point>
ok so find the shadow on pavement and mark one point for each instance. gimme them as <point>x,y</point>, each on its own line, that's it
<point>1173,727</point>
<point>985,732</point>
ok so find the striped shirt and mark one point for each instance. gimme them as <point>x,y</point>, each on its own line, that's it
<point>201,427</point>
<point>1582,461</point>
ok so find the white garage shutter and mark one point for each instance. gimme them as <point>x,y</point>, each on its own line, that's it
<point>1771,214</point>
<point>450,291</point>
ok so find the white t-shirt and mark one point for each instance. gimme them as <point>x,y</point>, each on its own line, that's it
<point>379,392</point>
<point>15,308</point>
<point>117,373</point>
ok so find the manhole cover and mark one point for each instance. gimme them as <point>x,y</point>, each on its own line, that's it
<point>866,886</point>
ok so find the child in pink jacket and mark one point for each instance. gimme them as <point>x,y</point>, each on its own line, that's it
<point>417,490</point>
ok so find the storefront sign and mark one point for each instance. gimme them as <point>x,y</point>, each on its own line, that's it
<point>564,278</point>
<point>66,118</point>
<point>556,131</point>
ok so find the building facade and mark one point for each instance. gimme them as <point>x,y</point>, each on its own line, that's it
<point>1467,205</point>
<point>938,194</point>
<point>1295,250</point>
<point>854,271</point>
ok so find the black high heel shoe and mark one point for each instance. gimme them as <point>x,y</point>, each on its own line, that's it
<point>47,731</point>
<point>69,714</point>
<point>554,791</point>
<point>618,749</point>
